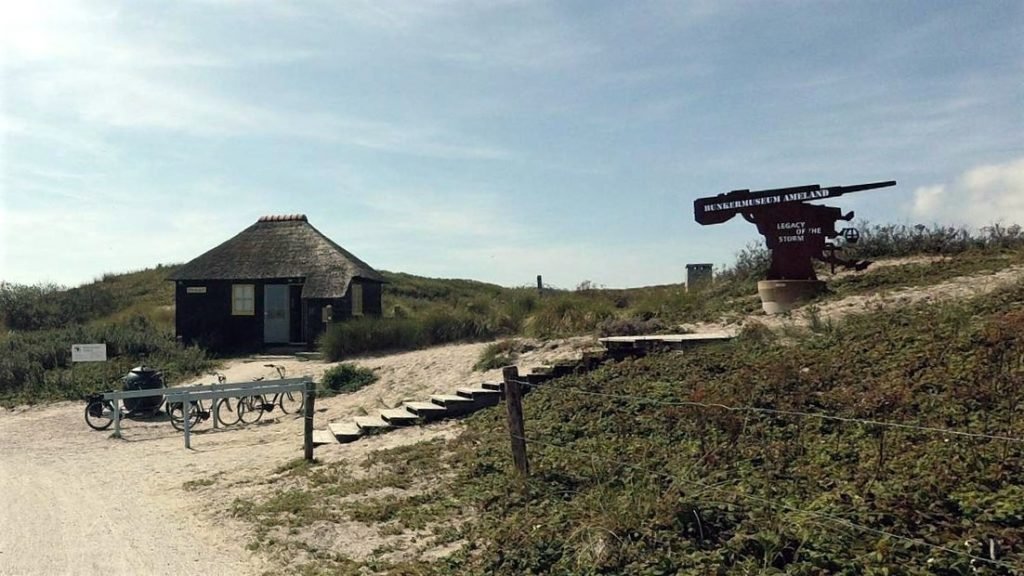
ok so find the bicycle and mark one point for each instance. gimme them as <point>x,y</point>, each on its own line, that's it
<point>250,409</point>
<point>226,413</point>
<point>99,413</point>
<point>197,413</point>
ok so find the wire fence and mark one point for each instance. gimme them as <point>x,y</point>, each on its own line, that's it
<point>825,517</point>
<point>778,412</point>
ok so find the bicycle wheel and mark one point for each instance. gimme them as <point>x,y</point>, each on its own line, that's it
<point>99,414</point>
<point>250,409</point>
<point>292,402</point>
<point>177,416</point>
<point>227,411</point>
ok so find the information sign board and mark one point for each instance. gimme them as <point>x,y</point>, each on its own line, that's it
<point>89,352</point>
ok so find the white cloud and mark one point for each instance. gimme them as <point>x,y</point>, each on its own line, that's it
<point>983,195</point>
<point>928,200</point>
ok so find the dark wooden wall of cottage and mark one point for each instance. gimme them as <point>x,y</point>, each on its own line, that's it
<point>206,319</point>
<point>314,315</point>
<point>372,298</point>
<point>341,308</point>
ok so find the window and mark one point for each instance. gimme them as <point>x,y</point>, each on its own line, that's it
<point>355,292</point>
<point>243,301</point>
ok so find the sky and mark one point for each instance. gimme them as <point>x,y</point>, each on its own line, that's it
<point>493,140</point>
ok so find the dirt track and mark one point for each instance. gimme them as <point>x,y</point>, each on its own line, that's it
<point>75,501</point>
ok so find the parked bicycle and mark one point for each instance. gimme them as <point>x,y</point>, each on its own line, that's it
<point>99,413</point>
<point>227,413</point>
<point>197,412</point>
<point>250,409</point>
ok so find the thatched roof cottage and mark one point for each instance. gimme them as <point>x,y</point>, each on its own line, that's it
<point>279,281</point>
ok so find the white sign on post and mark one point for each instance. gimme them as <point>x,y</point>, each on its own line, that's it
<point>89,352</point>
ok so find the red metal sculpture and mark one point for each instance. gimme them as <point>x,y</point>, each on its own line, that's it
<point>794,231</point>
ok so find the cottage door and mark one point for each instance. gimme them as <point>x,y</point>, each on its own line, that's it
<point>275,314</point>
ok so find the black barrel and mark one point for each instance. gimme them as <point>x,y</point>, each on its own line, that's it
<point>143,378</point>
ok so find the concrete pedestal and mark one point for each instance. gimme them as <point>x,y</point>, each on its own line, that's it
<point>781,296</point>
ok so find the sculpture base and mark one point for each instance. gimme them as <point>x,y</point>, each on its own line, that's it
<point>781,296</point>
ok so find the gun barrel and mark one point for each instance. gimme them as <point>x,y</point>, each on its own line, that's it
<point>718,209</point>
<point>869,186</point>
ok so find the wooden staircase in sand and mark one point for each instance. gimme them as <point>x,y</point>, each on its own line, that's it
<point>470,399</point>
<point>464,401</point>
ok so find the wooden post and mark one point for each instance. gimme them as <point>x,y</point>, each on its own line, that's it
<point>514,404</point>
<point>307,413</point>
<point>540,286</point>
<point>185,413</point>
<point>117,417</point>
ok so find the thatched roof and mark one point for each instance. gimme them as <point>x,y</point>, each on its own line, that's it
<point>281,247</point>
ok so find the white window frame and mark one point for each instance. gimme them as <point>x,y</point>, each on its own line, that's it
<point>243,299</point>
<point>355,293</point>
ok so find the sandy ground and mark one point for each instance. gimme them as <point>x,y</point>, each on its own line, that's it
<point>76,501</point>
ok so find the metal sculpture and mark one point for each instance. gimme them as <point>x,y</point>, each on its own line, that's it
<point>794,231</point>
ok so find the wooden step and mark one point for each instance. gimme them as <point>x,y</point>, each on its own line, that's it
<point>372,424</point>
<point>455,405</point>
<point>321,437</point>
<point>559,370</point>
<point>451,400</point>
<point>482,396</point>
<point>426,410</point>
<point>399,417</point>
<point>345,431</point>
<point>496,386</point>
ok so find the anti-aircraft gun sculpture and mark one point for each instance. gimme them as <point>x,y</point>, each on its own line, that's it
<point>794,231</point>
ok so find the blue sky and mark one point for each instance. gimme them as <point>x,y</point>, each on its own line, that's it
<point>493,140</point>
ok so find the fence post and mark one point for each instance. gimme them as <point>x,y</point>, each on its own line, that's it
<point>307,413</point>
<point>117,417</point>
<point>540,286</point>
<point>186,414</point>
<point>514,404</point>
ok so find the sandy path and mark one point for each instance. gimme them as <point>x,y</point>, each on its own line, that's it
<point>76,501</point>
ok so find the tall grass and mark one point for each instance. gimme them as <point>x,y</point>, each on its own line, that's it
<point>113,297</point>
<point>36,365</point>
<point>894,240</point>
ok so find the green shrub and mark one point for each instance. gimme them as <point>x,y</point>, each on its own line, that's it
<point>631,326</point>
<point>347,378</point>
<point>35,366</point>
<point>568,314</point>
<point>497,355</point>
<point>436,326</point>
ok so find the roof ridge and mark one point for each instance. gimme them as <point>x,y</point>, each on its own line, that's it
<point>283,218</point>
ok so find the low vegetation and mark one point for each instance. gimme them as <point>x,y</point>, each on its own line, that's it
<point>35,366</point>
<point>718,460</point>
<point>131,313</point>
<point>346,378</point>
<point>499,354</point>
